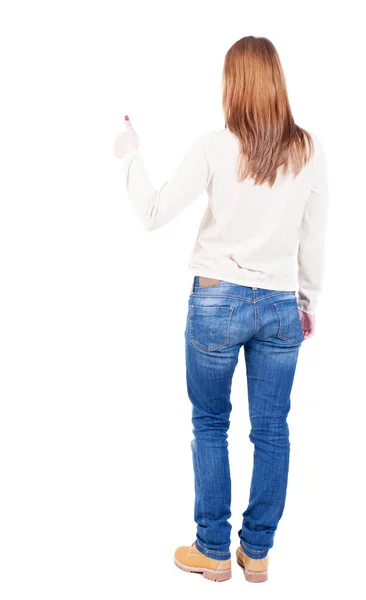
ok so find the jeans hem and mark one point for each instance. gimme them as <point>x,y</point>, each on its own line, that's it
<point>253,553</point>
<point>212,553</point>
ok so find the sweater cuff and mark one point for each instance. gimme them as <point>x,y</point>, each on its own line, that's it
<point>304,308</point>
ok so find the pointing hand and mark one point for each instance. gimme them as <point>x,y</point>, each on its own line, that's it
<point>126,141</point>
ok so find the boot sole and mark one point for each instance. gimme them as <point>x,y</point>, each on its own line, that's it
<point>252,576</point>
<point>207,573</point>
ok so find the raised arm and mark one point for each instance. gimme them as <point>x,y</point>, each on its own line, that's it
<point>156,207</point>
<point>311,252</point>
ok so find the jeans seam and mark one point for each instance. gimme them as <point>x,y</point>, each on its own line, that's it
<point>256,318</point>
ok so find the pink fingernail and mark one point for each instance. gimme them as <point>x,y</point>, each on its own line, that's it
<point>127,118</point>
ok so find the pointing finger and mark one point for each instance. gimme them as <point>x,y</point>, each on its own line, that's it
<point>128,123</point>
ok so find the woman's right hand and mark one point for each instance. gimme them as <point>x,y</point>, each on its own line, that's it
<point>307,323</point>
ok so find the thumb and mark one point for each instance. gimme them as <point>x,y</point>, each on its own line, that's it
<point>128,123</point>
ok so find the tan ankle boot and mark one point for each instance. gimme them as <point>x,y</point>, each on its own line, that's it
<point>189,558</point>
<point>255,569</point>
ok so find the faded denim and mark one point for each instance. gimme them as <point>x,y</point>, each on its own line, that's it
<point>220,320</point>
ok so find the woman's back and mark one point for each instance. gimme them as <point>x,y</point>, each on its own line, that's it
<point>250,233</point>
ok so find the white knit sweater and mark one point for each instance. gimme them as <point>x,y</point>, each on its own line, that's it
<point>253,235</point>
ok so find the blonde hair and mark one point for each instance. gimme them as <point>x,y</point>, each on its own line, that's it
<point>257,111</point>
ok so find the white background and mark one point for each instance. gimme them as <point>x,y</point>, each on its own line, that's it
<point>96,475</point>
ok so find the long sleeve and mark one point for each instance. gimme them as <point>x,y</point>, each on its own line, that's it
<point>311,250</point>
<point>156,207</point>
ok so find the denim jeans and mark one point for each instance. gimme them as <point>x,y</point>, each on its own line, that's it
<point>221,319</point>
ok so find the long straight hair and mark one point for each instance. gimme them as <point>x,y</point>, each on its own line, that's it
<point>257,111</point>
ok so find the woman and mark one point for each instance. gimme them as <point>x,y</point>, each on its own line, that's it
<point>262,234</point>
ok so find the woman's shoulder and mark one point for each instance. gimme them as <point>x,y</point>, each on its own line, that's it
<point>210,139</point>
<point>317,141</point>
<point>224,132</point>
<point>219,139</point>
<point>319,153</point>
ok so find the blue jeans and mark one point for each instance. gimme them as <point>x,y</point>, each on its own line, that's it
<point>221,319</point>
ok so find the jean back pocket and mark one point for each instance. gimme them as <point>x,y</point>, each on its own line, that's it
<point>209,326</point>
<point>290,328</point>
